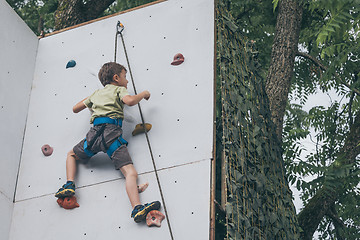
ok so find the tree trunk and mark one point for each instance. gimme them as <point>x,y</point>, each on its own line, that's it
<point>283,54</point>
<point>69,13</point>
<point>319,205</point>
<point>72,12</point>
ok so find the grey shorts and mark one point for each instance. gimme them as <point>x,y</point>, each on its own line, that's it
<point>120,157</point>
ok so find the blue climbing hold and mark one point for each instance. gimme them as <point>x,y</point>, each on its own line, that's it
<point>71,64</point>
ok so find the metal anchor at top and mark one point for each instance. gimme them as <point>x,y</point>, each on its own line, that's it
<point>119,27</point>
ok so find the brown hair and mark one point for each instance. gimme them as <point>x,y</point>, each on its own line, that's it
<point>108,70</point>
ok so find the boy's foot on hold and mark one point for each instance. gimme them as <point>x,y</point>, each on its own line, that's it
<point>67,190</point>
<point>140,211</point>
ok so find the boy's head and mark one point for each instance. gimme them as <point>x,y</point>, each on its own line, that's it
<point>107,72</point>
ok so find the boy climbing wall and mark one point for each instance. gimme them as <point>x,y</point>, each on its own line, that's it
<point>106,135</point>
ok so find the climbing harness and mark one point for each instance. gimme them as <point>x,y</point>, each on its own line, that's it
<point>115,145</point>
<point>101,120</point>
<point>119,30</point>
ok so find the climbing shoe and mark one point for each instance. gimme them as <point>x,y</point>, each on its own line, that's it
<point>67,190</point>
<point>140,211</point>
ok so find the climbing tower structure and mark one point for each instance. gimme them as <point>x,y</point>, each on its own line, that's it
<point>37,93</point>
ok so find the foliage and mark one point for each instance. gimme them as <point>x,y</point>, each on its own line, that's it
<point>259,203</point>
<point>33,12</point>
<point>257,23</point>
<point>330,34</point>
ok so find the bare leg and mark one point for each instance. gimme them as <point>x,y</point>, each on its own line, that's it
<point>71,165</point>
<point>130,175</point>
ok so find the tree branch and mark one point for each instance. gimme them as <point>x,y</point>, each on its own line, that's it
<point>95,8</point>
<point>322,67</point>
<point>319,205</point>
<point>338,223</point>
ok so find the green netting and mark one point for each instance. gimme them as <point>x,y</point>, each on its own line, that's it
<point>259,201</point>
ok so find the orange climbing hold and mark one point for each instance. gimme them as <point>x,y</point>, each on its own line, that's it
<point>139,128</point>
<point>154,218</point>
<point>68,202</point>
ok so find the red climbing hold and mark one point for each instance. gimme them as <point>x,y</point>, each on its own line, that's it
<point>68,202</point>
<point>178,59</point>
<point>154,218</point>
<point>47,150</point>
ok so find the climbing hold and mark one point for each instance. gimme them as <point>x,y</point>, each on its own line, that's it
<point>47,150</point>
<point>141,188</point>
<point>71,64</point>
<point>68,202</point>
<point>139,128</point>
<point>154,218</point>
<point>178,59</point>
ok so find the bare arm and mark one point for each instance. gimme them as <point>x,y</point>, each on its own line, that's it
<point>132,100</point>
<point>79,106</point>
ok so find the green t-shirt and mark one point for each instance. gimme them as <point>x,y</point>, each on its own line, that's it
<point>107,102</point>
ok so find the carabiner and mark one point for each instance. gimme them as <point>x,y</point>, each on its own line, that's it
<point>119,27</point>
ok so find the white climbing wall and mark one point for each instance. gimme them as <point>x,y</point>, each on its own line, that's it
<point>18,45</point>
<point>180,110</point>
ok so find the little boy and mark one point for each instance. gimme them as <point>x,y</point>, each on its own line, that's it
<point>106,135</point>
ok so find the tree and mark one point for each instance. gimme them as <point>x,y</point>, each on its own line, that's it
<point>328,60</point>
<point>336,44</point>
